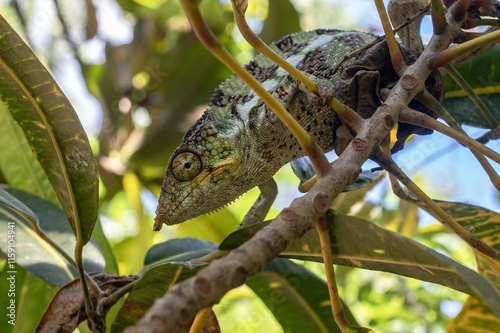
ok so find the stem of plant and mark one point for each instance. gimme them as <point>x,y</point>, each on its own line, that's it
<point>438,15</point>
<point>40,233</point>
<point>326,252</point>
<point>89,308</point>
<point>199,320</point>
<point>448,55</point>
<point>210,257</point>
<point>111,300</point>
<point>396,57</point>
<point>409,116</point>
<point>395,186</point>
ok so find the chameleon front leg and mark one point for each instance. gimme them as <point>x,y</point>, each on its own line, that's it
<point>259,210</point>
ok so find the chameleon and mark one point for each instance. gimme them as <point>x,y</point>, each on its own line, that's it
<point>238,143</point>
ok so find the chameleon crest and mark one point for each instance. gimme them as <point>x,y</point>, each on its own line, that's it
<point>239,143</point>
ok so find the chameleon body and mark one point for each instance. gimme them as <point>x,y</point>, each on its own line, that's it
<point>239,143</point>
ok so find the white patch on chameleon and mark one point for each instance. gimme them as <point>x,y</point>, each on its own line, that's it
<point>271,84</point>
<point>244,108</point>
<point>315,43</point>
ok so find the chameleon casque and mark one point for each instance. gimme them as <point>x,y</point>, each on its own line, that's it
<point>239,143</point>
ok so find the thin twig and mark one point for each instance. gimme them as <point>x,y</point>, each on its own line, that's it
<point>335,303</point>
<point>448,55</point>
<point>397,59</point>
<point>413,117</point>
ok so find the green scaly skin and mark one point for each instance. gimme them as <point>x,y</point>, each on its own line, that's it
<point>239,143</point>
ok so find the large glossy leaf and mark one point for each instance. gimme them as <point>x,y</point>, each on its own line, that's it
<point>167,267</point>
<point>17,162</point>
<point>359,243</point>
<point>52,129</point>
<point>297,298</point>
<point>483,75</point>
<point>476,316</point>
<point>33,253</point>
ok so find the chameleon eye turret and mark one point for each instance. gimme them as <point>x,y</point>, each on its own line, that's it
<point>185,166</point>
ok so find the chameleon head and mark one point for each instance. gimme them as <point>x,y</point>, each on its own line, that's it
<point>202,175</point>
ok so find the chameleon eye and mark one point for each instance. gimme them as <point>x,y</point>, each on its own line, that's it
<point>186,166</point>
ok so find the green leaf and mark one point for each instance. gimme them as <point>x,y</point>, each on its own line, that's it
<point>359,243</point>
<point>166,269</point>
<point>52,129</point>
<point>487,86</point>
<point>17,162</point>
<point>181,249</point>
<point>476,316</point>
<point>297,298</point>
<point>33,253</point>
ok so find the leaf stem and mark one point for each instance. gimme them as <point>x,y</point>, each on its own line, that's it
<point>459,9</point>
<point>337,310</point>
<point>409,116</point>
<point>472,23</point>
<point>111,300</point>
<point>199,320</point>
<point>438,15</point>
<point>396,56</point>
<point>445,56</point>
<point>89,308</point>
<point>326,252</point>
<point>344,112</point>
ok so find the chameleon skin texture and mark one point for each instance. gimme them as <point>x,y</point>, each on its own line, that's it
<point>239,143</point>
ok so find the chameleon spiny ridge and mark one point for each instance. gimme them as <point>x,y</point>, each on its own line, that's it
<point>239,143</point>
